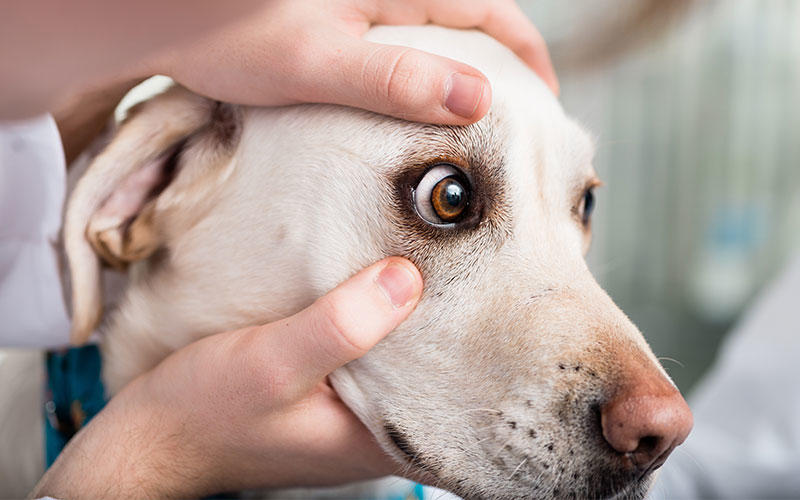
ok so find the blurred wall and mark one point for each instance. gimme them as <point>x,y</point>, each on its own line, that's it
<point>698,134</point>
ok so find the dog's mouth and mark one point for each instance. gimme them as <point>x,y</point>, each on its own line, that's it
<point>401,442</point>
<point>408,451</point>
<point>421,468</point>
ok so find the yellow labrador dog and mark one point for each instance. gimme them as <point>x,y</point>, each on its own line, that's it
<point>516,376</point>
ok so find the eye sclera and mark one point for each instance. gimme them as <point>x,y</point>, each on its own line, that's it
<point>432,182</point>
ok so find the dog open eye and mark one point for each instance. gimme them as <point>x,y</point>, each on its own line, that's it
<point>587,206</point>
<point>443,195</point>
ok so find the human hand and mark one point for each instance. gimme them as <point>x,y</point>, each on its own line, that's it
<point>244,409</point>
<point>312,51</point>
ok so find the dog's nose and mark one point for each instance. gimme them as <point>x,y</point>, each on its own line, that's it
<point>645,421</point>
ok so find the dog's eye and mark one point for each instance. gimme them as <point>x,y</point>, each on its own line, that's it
<point>443,195</point>
<point>587,206</point>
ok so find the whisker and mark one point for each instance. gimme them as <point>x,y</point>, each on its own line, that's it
<point>487,410</point>
<point>484,439</point>
<point>665,358</point>
<point>694,460</point>
<point>493,426</point>
<point>518,468</point>
<point>442,494</point>
<point>500,450</point>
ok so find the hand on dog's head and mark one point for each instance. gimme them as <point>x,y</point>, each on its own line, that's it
<point>516,375</point>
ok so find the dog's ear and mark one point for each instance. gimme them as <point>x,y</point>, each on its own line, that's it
<point>155,176</point>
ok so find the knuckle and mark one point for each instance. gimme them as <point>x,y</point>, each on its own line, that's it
<point>336,325</point>
<point>395,80</point>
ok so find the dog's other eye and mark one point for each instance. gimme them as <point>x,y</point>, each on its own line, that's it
<point>587,206</point>
<point>443,195</point>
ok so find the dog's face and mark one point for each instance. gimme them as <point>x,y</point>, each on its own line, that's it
<point>516,375</point>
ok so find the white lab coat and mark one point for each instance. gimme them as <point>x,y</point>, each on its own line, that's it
<point>746,438</point>
<point>32,190</point>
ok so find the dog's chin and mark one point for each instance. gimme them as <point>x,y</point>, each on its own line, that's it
<point>598,485</point>
<point>409,469</point>
<point>418,465</point>
<point>636,490</point>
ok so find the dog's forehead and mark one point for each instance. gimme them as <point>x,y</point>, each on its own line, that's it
<point>525,116</point>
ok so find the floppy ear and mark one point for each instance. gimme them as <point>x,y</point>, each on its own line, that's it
<point>156,175</point>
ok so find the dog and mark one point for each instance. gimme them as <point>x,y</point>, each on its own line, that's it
<point>515,377</point>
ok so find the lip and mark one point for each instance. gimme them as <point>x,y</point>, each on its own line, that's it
<point>415,467</point>
<point>418,470</point>
<point>401,443</point>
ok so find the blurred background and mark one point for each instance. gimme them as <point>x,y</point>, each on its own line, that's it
<point>696,110</point>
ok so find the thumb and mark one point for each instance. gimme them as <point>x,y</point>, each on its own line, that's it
<point>346,323</point>
<point>402,82</point>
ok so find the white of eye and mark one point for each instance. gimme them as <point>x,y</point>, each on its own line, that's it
<point>426,206</point>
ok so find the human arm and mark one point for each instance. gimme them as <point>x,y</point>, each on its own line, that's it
<point>244,409</point>
<point>267,53</point>
<point>83,116</point>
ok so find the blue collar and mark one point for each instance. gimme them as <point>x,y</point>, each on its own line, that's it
<point>75,394</point>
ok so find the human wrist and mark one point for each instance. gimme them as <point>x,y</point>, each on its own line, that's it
<point>163,458</point>
<point>129,450</point>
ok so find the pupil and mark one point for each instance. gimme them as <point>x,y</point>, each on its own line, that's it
<point>449,199</point>
<point>588,205</point>
<point>454,194</point>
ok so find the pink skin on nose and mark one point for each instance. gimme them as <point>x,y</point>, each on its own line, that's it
<point>646,419</point>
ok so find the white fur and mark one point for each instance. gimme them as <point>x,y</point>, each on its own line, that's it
<point>308,197</point>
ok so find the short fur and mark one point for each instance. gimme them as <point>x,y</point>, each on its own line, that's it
<point>491,387</point>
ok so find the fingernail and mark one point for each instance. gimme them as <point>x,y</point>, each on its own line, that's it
<point>463,94</point>
<point>398,283</point>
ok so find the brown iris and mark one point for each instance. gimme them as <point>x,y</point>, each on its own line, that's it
<point>449,199</point>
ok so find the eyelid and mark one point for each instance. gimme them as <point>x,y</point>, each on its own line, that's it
<point>577,196</point>
<point>592,183</point>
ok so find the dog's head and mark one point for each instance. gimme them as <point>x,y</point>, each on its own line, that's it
<point>515,376</point>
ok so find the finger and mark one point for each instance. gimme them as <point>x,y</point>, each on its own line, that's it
<point>344,324</point>
<point>511,27</point>
<point>399,81</point>
<point>501,19</point>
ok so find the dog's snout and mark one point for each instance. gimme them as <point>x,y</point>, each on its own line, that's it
<point>645,422</point>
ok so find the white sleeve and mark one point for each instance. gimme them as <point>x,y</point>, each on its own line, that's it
<point>32,190</point>
<point>746,438</point>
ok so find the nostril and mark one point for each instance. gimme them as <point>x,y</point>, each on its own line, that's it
<point>647,445</point>
<point>645,427</point>
<point>649,450</point>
